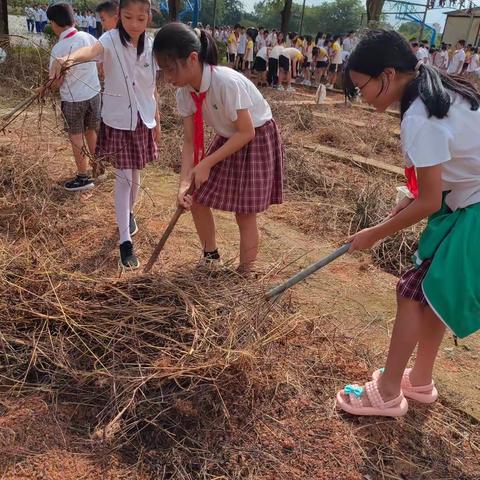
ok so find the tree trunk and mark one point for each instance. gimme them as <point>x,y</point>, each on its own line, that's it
<point>374,10</point>
<point>285,14</point>
<point>3,17</point>
<point>173,10</point>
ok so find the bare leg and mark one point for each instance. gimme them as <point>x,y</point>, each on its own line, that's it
<point>432,331</point>
<point>91,138</point>
<point>76,140</point>
<point>205,225</point>
<point>405,336</point>
<point>249,239</point>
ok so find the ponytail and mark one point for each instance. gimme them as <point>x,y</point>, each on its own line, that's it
<point>431,86</point>
<point>208,49</point>
<point>176,41</point>
<point>381,49</point>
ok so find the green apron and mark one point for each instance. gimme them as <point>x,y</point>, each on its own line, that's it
<point>452,284</point>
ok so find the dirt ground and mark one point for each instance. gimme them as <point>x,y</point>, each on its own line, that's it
<point>278,419</point>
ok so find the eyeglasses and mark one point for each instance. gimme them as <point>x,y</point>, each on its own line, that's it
<point>358,90</point>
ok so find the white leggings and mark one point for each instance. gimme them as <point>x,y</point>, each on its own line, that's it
<point>127,183</point>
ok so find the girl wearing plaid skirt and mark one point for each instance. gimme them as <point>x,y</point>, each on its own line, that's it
<point>439,121</point>
<point>130,121</point>
<point>243,167</point>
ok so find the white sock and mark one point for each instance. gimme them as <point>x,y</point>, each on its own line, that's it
<point>135,188</point>
<point>123,188</point>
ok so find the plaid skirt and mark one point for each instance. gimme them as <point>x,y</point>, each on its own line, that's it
<point>249,180</point>
<point>126,149</point>
<point>410,284</point>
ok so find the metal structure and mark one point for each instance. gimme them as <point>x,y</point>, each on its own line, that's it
<point>190,6</point>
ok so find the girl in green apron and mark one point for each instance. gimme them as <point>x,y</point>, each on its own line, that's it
<point>439,134</point>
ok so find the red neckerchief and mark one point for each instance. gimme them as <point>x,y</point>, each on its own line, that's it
<point>412,183</point>
<point>198,141</point>
<point>71,34</point>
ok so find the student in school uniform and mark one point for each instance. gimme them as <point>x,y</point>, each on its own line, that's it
<point>242,169</point>
<point>79,92</point>
<point>273,57</point>
<point>108,12</point>
<point>287,63</point>
<point>455,66</point>
<point>441,58</point>
<point>232,46</point>
<point>439,121</point>
<point>260,40</point>
<point>30,16</point>
<point>308,47</point>
<point>38,19</point>
<point>473,66</point>
<point>336,61</point>
<point>249,55</point>
<point>241,49</point>
<point>260,66</point>
<point>321,64</point>
<point>130,119</point>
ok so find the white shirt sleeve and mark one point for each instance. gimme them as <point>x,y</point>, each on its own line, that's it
<point>235,97</point>
<point>185,105</point>
<point>425,141</point>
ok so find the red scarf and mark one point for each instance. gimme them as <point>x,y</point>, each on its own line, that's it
<point>198,140</point>
<point>412,183</point>
<point>71,34</point>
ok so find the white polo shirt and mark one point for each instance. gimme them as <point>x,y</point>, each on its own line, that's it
<point>227,92</point>
<point>452,142</point>
<point>263,53</point>
<point>276,51</point>
<point>130,83</point>
<point>81,81</point>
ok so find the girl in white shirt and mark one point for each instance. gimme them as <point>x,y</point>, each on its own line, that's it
<point>473,68</point>
<point>242,169</point>
<point>439,120</point>
<point>130,120</point>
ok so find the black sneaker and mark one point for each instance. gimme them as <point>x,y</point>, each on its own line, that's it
<point>79,184</point>
<point>128,260</point>
<point>133,225</point>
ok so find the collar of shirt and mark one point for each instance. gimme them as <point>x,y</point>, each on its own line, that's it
<point>66,32</point>
<point>206,79</point>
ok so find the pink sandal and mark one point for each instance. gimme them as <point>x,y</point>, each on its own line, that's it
<point>422,394</point>
<point>350,400</point>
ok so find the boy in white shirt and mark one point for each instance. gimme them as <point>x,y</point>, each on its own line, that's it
<point>241,49</point>
<point>30,15</point>
<point>336,61</point>
<point>458,59</point>
<point>38,19</point>
<point>108,12</point>
<point>79,92</point>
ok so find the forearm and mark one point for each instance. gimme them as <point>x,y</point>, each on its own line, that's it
<point>187,165</point>
<point>84,54</point>
<point>418,210</point>
<point>235,143</point>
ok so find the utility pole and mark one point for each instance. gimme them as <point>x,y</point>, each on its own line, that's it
<point>301,20</point>
<point>3,17</point>
<point>422,26</point>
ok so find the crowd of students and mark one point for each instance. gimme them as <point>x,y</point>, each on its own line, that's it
<point>460,59</point>
<point>278,59</point>
<point>85,21</point>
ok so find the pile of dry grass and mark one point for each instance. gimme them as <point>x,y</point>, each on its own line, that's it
<point>372,206</point>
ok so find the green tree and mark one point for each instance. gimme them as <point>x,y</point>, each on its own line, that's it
<point>409,29</point>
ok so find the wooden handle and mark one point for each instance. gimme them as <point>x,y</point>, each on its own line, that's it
<point>166,233</point>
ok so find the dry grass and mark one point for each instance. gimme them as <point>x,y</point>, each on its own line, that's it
<point>184,375</point>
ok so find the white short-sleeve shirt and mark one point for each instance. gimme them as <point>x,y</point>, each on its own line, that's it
<point>452,142</point>
<point>81,81</point>
<point>227,92</point>
<point>130,83</point>
<point>456,64</point>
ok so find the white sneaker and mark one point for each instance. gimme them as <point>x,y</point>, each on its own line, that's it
<point>280,88</point>
<point>290,89</point>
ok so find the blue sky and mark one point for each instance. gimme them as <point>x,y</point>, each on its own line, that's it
<point>432,16</point>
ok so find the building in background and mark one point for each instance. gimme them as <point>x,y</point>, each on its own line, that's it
<point>462,25</point>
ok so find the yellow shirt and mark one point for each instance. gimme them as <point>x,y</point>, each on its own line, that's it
<point>250,45</point>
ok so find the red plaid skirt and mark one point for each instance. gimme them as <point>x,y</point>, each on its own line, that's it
<point>249,180</point>
<point>126,149</point>
<point>410,284</point>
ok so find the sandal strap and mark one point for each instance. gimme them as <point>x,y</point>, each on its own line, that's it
<point>407,384</point>
<point>376,399</point>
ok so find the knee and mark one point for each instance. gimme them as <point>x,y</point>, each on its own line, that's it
<point>245,220</point>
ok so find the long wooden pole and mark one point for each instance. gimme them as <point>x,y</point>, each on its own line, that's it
<point>306,272</point>
<point>166,233</point>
